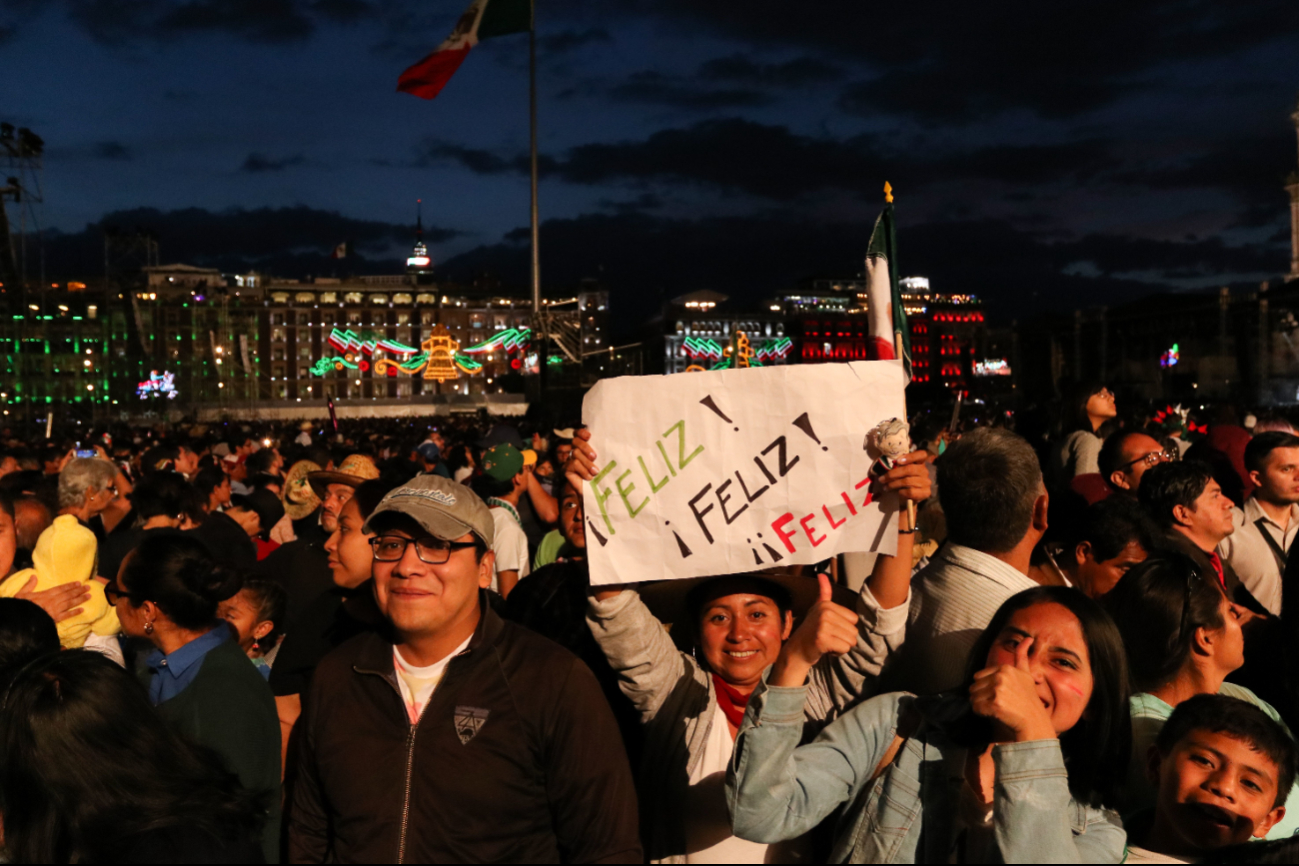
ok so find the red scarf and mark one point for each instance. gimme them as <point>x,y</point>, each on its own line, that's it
<point>731,701</point>
<point>1216,562</point>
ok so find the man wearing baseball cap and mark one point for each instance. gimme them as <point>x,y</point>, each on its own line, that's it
<point>502,484</point>
<point>453,735</point>
<point>429,456</point>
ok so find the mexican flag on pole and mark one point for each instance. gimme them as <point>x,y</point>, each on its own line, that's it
<point>885,315</point>
<point>482,20</point>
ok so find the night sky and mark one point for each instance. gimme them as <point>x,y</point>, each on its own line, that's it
<point>1045,155</point>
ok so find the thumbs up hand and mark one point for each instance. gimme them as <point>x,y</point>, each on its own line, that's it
<point>827,628</point>
<point>1008,694</point>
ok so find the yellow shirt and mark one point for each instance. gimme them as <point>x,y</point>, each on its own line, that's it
<point>65,553</point>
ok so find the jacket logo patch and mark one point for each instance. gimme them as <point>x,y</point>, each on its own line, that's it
<point>469,721</point>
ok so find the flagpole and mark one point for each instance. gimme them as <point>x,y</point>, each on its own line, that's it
<point>532,118</point>
<point>897,351</point>
<point>539,323</point>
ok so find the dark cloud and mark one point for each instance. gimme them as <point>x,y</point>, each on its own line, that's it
<point>750,84</point>
<point>967,62</point>
<point>476,159</point>
<point>647,259</point>
<point>1253,167</point>
<point>646,201</point>
<point>657,88</point>
<point>266,21</point>
<point>111,150</point>
<point>571,40</point>
<point>798,72</point>
<point>772,162</point>
<point>256,163</point>
<point>289,241</point>
<point>733,154</point>
<point>255,20</point>
<point>344,11</point>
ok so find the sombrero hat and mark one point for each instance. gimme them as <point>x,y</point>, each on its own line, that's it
<point>353,471</point>
<point>299,499</point>
<point>669,600</point>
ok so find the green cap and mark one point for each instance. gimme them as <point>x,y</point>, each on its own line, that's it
<point>502,462</point>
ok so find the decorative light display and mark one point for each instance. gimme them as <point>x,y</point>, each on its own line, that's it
<point>774,350</point>
<point>1172,357</point>
<point>349,341</point>
<point>437,358</point>
<point>161,385</point>
<point>992,367</point>
<point>507,340</point>
<point>704,349</point>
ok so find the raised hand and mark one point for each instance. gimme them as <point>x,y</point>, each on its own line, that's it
<point>909,477</point>
<point>581,466</point>
<point>828,628</point>
<point>1008,694</point>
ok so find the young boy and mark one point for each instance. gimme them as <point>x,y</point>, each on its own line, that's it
<point>1222,769</point>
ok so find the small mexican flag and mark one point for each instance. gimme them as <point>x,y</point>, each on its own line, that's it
<point>482,20</point>
<point>341,251</point>
<point>885,314</point>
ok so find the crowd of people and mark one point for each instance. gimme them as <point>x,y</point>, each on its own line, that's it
<point>378,641</point>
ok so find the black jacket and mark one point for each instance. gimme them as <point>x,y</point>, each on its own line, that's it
<point>515,759</point>
<point>302,568</point>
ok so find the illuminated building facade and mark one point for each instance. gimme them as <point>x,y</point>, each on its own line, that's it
<point>696,331</point>
<point>947,330</point>
<point>246,341</point>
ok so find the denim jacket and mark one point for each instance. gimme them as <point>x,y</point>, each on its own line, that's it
<point>674,694</point>
<point>777,789</point>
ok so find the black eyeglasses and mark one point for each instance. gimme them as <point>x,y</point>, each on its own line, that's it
<point>112,593</point>
<point>1154,458</point>
<point>434,551</point>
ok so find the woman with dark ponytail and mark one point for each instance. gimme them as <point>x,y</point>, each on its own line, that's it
<point>200,680</point>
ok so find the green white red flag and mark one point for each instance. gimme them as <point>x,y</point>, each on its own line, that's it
<point>885,314</point>
<point>482,20</point>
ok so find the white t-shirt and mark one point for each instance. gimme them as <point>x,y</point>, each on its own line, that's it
<point>418,684</point>
<point>510,546</point>
<point>708,821</point>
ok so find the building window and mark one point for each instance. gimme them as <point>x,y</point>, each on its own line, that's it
<point>304,298</point>
<point>329,297</point>
<point>277,335</point>
<point>302,372</point>
<point>304,351</point>
<point>278,353</point>
<point>280,297</point>
<point>402,298</point>
<point>426,317</point>
<point>354,298</point>
<point>426,298</point>
<point>378,300</point>
<point>277,318</point>
<point>403,318</point>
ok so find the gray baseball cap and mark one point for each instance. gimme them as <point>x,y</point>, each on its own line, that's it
<point>445,509</point>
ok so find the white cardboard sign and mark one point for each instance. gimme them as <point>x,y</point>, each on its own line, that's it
<point>736,470</point>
